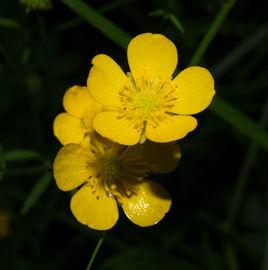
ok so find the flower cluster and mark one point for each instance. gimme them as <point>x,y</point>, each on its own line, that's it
<point>121,127</point>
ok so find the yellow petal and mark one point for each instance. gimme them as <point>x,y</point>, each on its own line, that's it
<point>173,128</point>
<point>152,55</point>
<point>77,102</point>
<point>106,147</point>
<point>118,130</point>
<point>195,89</point>
<point>105,80</point>
<point>68,129</point>
<point>157,157</point>
<point>148,206</point>
<point>71,166</point>
<point>98,212</point>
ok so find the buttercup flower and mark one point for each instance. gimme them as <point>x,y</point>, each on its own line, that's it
<point>77,123</point>
<point>147,102</point>
<point>109,173</point>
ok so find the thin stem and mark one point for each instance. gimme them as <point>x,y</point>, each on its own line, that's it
<point>96,251</point>
<point>227,6</point>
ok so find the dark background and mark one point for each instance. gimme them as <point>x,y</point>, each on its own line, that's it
<point>219,216</point>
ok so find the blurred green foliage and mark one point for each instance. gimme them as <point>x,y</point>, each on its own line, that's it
<point>219,217</point>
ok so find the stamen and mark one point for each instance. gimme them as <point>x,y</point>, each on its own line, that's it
<point>146,101</point>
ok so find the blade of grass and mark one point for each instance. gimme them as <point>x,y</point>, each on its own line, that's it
<point>98,21</point>
<point>213,29</point>
<point>39,188</point>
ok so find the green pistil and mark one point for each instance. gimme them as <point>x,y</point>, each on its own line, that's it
<point>147,101</point>
<point>111,169</point>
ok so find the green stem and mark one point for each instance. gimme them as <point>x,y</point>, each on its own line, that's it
<point>227,6</point>
<point>96,251</point>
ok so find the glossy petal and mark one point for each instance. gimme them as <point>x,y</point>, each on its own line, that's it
<point>148,206</point>
<point>105,80</point>
<point>71,166</point>
<point>173,128</point>
<point>98,212</point>
<point>195,89</point>
<point>158,157</point>
<point>118,130</point>
<point>152,56</point>
<point>78,102</point>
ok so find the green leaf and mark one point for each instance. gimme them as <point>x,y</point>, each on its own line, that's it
<point>39,188</point>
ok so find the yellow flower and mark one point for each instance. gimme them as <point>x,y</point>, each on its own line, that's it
<point>77,123</point>
<point>111,173</point>
<point>147,103</point>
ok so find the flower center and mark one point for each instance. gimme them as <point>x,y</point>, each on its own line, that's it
<point>111,169</point>
<point>147,101</point>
